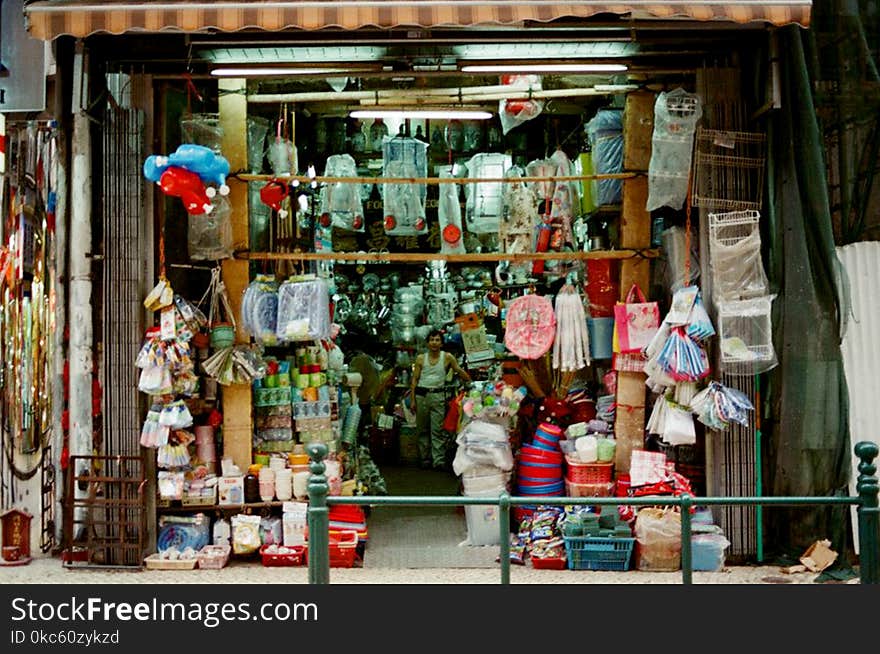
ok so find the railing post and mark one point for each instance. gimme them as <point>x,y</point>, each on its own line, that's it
<point>318,516</point>
<point>686,562</point>
<point>504,526</point>
<point>869,513</point>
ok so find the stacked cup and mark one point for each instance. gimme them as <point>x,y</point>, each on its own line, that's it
<point>267,484</point>
<point>284,484</point>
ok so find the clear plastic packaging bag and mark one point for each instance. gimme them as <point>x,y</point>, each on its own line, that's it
<point>259,309</point>
<point>516,111</point>
<point>404,203</point>
<point>605,133</point>
<point>341,202</point>
<point>257,129</point>
<point>282,156</point>
<point>676,114</point>
<point>209,235</point>
<point>404,208</point>
<point>485,204</point>
<point>202,129</point>
<point>746,335</point>
<point>735,255</point>
<point>449,215</point>
<point>303,310</point>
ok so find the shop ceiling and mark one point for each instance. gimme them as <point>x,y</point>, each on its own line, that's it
<point>390,43</point>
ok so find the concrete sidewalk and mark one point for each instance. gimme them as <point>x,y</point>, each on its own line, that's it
<point>50,571</point>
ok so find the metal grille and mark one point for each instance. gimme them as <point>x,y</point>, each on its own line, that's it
<point>115,532</point>
<point>110,518</point>
<point>735,463</point>
<point>124,245</point>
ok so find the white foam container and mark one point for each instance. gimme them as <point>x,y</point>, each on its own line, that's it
<point>483,520</point>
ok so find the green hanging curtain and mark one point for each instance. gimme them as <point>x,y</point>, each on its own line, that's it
<point>807,412</point>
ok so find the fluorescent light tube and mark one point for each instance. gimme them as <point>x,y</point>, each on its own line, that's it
<point>277,72</point>
<point>437,114</point>
<point>544,68</point>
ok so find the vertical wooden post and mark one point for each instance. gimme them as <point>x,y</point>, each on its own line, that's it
<point>635,233</point>
<point>237,404</point>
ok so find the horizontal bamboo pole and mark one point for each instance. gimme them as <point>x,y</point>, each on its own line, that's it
<point>422,99</point>
<point>498,91</point>
<point>421,257</point>
<point>253,177</point>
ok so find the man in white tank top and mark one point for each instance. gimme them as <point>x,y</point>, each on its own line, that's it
<point>429,399</point>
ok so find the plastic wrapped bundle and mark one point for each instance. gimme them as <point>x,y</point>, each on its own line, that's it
<point>485,204</point>
<point>209,235</point>
<point>404,157</point>
<point>259,309</point>
<point>341,204</point>
<point>303,310</point>
<point>605,132</point>
<point>675,120</point>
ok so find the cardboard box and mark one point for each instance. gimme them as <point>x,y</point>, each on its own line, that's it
<point>629,432</point>
<point>638,129</point>
<point>631,389</point>
<point>230,491</point>
<point>818,556</point>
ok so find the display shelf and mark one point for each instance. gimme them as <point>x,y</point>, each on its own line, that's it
<point>423,257</point>
<point>220,507</point>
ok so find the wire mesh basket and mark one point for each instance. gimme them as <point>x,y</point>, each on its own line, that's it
<point>735,255</point>
<point>729,169</point>
<point>746,336</point>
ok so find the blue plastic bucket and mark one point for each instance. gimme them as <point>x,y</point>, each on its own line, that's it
<point>601,332</point>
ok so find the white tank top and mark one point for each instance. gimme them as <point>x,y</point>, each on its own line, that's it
<point>433,375</point>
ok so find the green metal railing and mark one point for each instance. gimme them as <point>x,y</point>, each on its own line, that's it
<point>866,500</point>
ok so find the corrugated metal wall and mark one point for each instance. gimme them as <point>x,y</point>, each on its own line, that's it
<point>861,356</point>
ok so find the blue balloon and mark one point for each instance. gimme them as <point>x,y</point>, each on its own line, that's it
<point>210,166</point>
<point>154,166</point>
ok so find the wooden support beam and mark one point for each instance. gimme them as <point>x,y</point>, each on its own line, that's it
<point>237,401</point>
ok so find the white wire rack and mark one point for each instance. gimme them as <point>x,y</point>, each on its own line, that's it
<point>729,169</point>
<point>746,336</point>
<point>735,255</point>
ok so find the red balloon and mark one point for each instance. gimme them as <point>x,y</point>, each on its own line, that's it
<point>187,186</point>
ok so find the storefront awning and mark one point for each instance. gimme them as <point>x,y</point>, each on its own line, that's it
<point>50,18</point>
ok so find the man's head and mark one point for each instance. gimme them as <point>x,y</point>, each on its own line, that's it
<point>434,340</point>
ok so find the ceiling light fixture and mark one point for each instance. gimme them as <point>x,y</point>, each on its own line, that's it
<point>428,114</point>
<point>544,68</point>
<point>279,72</point>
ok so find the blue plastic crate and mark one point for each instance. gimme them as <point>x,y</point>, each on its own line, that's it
<point>597,553</point>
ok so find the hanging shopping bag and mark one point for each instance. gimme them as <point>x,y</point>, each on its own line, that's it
<point>635,322</point>
<point>453,414</point>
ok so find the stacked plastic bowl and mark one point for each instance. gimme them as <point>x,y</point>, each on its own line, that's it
<point>539,465</point>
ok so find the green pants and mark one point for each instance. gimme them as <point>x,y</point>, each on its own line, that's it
<point>430,413</point>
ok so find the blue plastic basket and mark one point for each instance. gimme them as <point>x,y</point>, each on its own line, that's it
<point>596,553</point>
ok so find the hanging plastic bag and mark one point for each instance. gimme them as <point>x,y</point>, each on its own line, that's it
<point>605,133</point>
<point>340,202</point>
<point>209,235</point>
<point>675,121</point>
<point>518,110</point>
<point>404,157</point>
<point>303,310</point>
<point>485,205</point>
<point>259,309</point>
<point>449,215</point>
